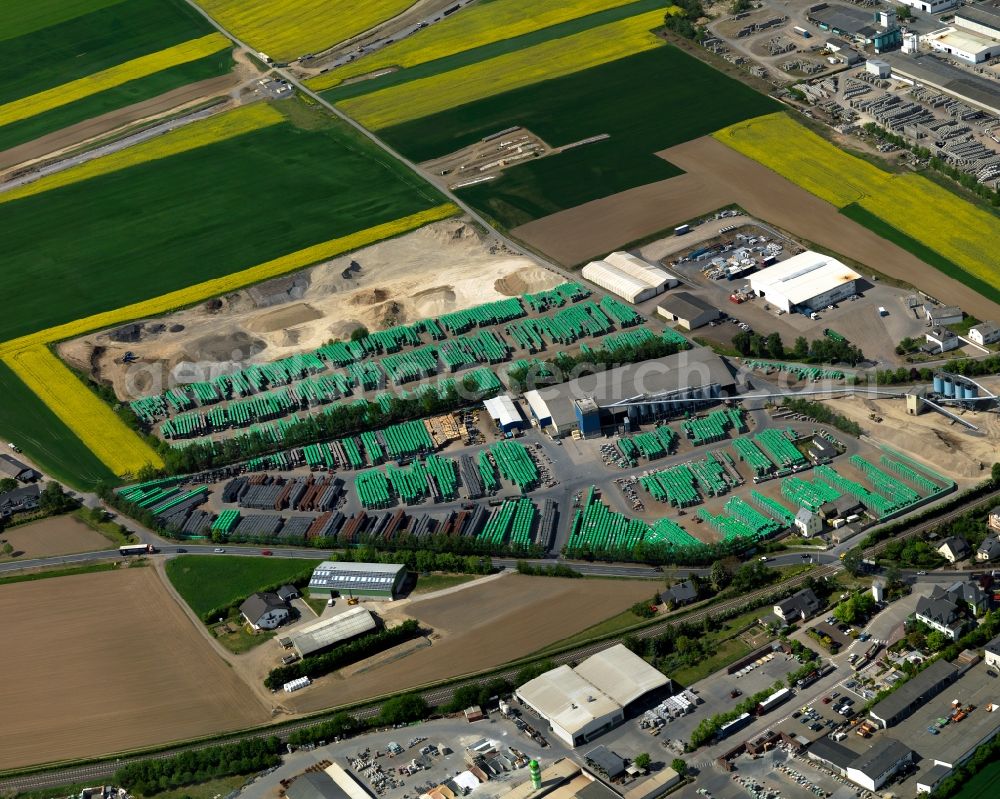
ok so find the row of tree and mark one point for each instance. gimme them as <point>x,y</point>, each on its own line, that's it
<point>821,413</point>
<point>820,350</point>
<point>149,777</point>
<point>966,179</point>
<point>313,666</point>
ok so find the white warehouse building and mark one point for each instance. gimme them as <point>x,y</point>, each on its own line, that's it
<point>629,277</point>
<point>808,281</point>
<point>582,703</point>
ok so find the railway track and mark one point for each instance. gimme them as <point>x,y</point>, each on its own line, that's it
<point>442,694</point>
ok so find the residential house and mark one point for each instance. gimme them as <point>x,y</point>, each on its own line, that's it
<point>264,611</point>
<point>798,607</point>
<point>20,500</point>
<point>954,549</point>
<point>984,333</point>
<point>808,523</point>
<point>683,593</point>
<point>941,339</point>
<point>941,611</point>
<point>993,520</point>
<point>989,549</point>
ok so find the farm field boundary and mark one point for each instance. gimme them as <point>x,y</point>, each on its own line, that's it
<point>561,111</point>
<point>134,99</point>
<point>479,33</point>
<point>287,29</point>
<point>113,76</point>
<point>61,42</point>
<point>552,59</point>
<point>919,209</point>
<point>220,127</point>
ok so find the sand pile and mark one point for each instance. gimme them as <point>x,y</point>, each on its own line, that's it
<point>438,269</point>
<point>930,438</point>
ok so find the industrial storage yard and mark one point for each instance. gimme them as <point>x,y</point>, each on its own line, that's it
<point>577,400</point>
<point>129,668</point>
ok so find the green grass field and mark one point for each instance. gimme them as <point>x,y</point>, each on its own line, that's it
<point>211,581</point>
<point>27,422</point>
<point>645,102</point>
<point>983,785</point>
<point>55,48</point>
<point>886,231</point>
<point>135,91</point>
<point>439,581</point>
<point>162,225</point>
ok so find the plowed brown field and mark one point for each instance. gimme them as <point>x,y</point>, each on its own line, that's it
<point>716,176</point>
<point>481,626</point>
<point>104,662</point>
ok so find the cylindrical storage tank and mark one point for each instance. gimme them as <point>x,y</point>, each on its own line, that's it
<point>972,391</point>
<point>938,384</point>
<point>948,387</point>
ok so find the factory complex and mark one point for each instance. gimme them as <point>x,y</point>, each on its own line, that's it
<point>805,283</point>
<point>584,702</point>
<point>632,394</point>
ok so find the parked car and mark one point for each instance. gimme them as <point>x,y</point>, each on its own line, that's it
<point>991,672</point>
<point>827,700</point>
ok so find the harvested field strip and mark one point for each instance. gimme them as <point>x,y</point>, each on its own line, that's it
<point>197,134</point>
<point>109,100</point>
<point>18,17</point>
<point>920,209</point>
<point>553,59</point>
<point>922,251</point>
<point>114,76</point>
<point>90,419</point>
<point>256,274</point>
<point>29,423</point>
<point>287,29</point>
<point>478,33</point>
<point>93,42</point>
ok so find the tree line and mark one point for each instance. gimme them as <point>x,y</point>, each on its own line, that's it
<point>149,777</point>
<point>820,350</point>
<point>313,666</point>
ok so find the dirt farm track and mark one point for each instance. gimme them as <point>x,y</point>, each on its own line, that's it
<point>105,662</point>
<point>715,176</point>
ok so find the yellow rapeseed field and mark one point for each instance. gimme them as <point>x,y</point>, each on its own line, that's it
<point>551,59</point>
<point>113,76</point>
<point>785,146</point>
<point>914,205</point>
<point>82,411</point>
<point>221,285</point>
<point>287,29</point>
<point>476,26</point>
<point>197,134</point>
<point>967,236</point>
